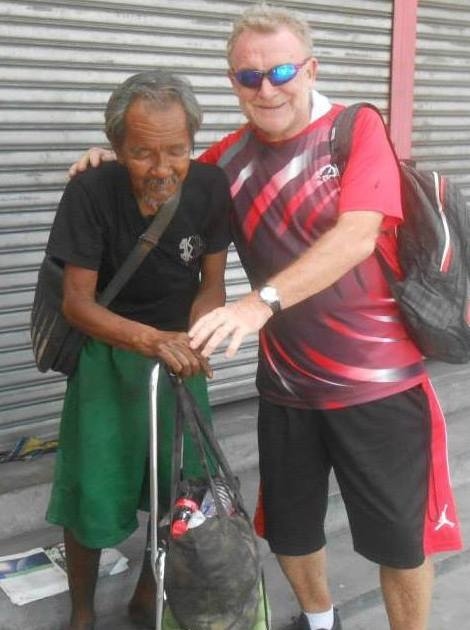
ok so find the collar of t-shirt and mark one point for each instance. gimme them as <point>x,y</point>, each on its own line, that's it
<point>320,106</point>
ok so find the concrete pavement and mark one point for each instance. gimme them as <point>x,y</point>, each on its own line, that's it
<point>24,489</point>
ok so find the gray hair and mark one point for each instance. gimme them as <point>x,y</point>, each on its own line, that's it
<point>263,18</point>
<point>156,86</point>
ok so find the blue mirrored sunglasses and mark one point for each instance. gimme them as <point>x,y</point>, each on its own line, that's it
<point>278,75</point>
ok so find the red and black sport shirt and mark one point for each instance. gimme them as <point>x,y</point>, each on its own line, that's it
<point>347,344</point>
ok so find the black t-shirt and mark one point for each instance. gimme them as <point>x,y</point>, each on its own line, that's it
<point>98,222</point>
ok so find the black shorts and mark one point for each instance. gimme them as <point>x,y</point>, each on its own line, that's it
<point>379,452</point>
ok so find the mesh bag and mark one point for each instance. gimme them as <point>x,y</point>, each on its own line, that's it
<point>213,571</point>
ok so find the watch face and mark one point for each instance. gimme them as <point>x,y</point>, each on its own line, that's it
<point>269,294</point>
<point>270,297</point>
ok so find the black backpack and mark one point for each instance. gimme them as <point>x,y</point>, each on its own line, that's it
<point>433,251</point>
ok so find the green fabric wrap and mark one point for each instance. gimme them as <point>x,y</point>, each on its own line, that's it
<point>101,476</point>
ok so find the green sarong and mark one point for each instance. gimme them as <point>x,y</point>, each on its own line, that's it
<point>102,466</point>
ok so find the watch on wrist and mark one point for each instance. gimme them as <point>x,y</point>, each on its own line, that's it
<point>270,296</point>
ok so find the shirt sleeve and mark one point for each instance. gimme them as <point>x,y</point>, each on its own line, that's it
<point>213,154</point>
<point>371,179</point>
<point>77,232</point>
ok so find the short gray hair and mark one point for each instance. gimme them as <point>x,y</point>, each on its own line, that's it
<point>155,86</point>
<point>263,18</point>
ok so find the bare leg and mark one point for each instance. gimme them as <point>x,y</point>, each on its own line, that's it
<point>307,576</point>
<point>82,570</point>
<point>142,604</point>
<point>407,595</point>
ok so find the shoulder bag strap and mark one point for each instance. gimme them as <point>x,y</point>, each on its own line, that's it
<point>144,245</point>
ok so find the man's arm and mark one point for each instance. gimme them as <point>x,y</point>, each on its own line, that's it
<point>334,254</point>
<point>211,293</point>
<point>82,311</point>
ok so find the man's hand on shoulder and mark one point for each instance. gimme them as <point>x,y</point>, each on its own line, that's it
<point>93,157</point>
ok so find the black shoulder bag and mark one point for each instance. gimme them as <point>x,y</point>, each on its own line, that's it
<point>56,344</point>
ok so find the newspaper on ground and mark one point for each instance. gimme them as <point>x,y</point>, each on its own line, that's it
<point>41,572</point>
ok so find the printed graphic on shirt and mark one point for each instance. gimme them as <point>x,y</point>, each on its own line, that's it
<point>330,171</point>
<point>191,248</point>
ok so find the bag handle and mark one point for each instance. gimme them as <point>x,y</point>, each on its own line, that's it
<point>188,412</point>
<point>184,415</point>
<point>145,243</point>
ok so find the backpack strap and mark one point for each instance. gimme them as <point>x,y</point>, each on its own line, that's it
<point>341,134</point>
<point>342,131</point>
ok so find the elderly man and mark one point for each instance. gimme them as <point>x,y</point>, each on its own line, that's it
<point>341,384</point>
<point>102,467</point>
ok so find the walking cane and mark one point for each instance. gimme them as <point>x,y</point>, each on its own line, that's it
<point>158,553</point>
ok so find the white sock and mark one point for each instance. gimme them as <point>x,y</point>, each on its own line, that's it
<point>320,621</point>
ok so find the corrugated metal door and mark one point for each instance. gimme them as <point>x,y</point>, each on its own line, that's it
<point>58,63</point>
<point>441,125</point>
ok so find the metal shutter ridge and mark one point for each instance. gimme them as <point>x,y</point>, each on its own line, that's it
<point>59,62</point>
<point>441,124</point>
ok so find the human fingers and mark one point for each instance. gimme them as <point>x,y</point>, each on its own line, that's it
<point>223,331</point>
<point>183,361</point>
<point>205,327</point>
<point>237,337</point>
<point>172,360</point>
<point>93,157</point>
<point>97,155</point>
<point>80,165</point>
<point>193,362</point>
<point>206,366</point>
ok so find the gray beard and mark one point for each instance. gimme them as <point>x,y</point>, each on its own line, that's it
<point>153,186</point>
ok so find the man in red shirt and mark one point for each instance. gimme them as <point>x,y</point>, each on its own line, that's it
<point>341,384</point>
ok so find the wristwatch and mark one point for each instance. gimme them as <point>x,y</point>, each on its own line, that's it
<point>270,296</point>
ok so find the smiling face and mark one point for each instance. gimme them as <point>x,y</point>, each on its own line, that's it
<point>278,112</point>
<point>156,152</point>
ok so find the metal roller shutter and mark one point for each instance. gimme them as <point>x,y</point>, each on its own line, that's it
<point>59,60</point>
<point>441,126</point>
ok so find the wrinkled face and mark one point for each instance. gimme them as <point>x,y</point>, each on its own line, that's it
<point>156,152</point>
<point>278,112</point>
